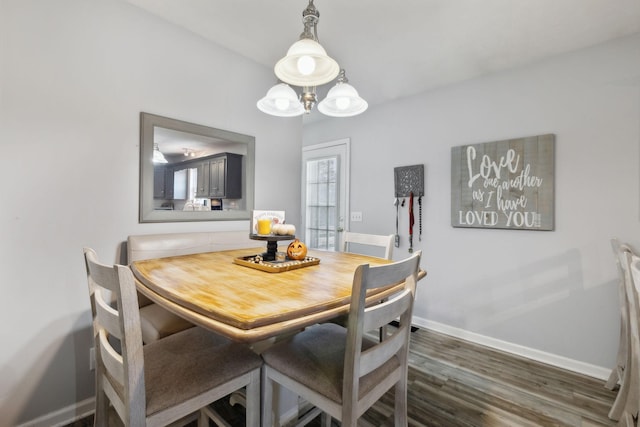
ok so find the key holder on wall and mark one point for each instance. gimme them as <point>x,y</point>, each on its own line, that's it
<point>409,182</point>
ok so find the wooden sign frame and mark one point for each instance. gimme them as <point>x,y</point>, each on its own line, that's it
<point>505,184</point>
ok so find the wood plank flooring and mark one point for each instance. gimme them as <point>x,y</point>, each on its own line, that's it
<point>455,383</point>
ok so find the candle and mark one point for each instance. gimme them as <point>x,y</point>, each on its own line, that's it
<point>264,225</point>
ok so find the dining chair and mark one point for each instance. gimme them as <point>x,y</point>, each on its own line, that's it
<point>619,249</point>
<point>349,239</point>
<point>632,373</point>
<point>166,381</point>
<point>351,242</point>
<point>627,402</point>
<point>339,370</point>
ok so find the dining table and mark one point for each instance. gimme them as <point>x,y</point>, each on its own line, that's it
<point>220,291</point>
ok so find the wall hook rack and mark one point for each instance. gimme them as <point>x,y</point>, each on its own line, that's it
<point>409,179</point>
<point>409,182</point>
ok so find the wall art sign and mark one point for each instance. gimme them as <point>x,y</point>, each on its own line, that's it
<point>504,184</point>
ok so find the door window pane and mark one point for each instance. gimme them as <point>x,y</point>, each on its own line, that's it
<point>321,203</point>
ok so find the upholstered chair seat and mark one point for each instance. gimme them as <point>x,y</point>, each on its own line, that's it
<point>316,360</point>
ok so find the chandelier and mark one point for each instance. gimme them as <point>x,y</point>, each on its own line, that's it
<point>307,65</point>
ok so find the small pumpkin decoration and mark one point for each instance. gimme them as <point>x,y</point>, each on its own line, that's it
<point>297,250</point>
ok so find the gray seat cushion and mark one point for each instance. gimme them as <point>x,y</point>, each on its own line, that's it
<point>315,358</point>
<point>156,323</point>
<point>206,360</point>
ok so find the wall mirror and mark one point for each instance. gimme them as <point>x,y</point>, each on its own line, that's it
<point>191,172</point>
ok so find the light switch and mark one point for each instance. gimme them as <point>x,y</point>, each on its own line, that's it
<point>356,216</point>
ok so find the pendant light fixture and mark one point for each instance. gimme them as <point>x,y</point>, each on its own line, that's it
<point>307,65</point>
<point>281,101</point>
<point>342,100</point>
<point>158,157</point>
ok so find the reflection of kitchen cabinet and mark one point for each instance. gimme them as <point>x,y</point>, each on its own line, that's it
<point>162,182</point>
<point>203,179</point>
<point>225,176</point>
<point>220,176</point>
<point>216,177</point>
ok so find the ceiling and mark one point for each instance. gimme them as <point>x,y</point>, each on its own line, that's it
<point>392,49</point>
<point>183,146</point>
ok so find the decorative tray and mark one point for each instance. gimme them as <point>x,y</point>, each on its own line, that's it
<point>256,261</point>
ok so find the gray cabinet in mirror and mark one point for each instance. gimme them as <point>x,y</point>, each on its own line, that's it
<point>163,182</point>
<point>205,163</point>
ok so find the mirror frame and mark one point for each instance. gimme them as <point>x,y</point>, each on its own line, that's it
<point>146,211</point>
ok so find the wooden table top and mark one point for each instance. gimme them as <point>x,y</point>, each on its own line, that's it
<point>246,304</point>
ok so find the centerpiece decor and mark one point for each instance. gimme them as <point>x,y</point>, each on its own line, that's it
<point>270,226</point>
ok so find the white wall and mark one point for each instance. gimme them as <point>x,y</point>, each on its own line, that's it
<point>74,76</point>
<point>552,292</point>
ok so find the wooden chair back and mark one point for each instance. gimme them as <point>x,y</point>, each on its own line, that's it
<point>116,328</point>
<point>360,361</point>
<point>382,241</point>
<point>627,403</point>
<point>616,373</point>
<point>626,368</point>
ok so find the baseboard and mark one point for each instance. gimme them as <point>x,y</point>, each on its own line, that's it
<point>64,416</point>
<point>530,353</point>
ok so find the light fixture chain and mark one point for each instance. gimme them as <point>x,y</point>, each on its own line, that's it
<point>310,17</point>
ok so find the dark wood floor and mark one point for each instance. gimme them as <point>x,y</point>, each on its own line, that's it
<point>454,383</point>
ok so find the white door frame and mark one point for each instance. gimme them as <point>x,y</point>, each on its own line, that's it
<point>324,149</point>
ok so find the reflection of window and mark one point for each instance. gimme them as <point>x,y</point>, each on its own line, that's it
<point>193,183</point>
<point>180,184</point>
<point>321,203</point>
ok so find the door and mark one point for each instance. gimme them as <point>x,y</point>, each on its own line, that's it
<point>325,193</point>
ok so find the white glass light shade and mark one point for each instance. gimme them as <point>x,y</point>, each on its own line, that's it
<point>281,101</point>
<point>306,64</point>
<point>342,101</point>
<point>158,157</point>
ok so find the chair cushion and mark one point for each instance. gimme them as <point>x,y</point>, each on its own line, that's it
<point>188,363</point>
<point>315,358</point>
<point>157,322</point>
